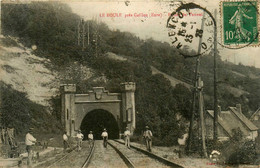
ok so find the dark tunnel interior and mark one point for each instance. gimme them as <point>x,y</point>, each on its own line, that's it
<point>96,121</point>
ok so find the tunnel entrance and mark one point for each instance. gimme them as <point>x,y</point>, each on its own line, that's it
<point>96,121</point>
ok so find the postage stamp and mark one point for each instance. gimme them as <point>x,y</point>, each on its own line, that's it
<point>240,23</point>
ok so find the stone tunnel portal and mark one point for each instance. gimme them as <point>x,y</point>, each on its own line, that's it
<point>98,108</point>
<point>96,121</point>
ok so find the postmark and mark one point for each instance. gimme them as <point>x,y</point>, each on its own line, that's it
<point>239,23</point>
<point>191,29</point>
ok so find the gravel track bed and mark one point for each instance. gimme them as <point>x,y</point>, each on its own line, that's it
<point>138,158</point>
<point>105,157</point>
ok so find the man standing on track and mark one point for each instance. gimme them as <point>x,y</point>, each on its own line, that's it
<point>105,137</point>
<point>90,139</point>
<point>80,137</point>
<point>148,138</point>
<point>29,142</point>
<point>127,137</point>
<point>65,141</point>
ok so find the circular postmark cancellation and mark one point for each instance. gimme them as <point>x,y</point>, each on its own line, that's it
<point>191,29</point>
<point>240,23</point>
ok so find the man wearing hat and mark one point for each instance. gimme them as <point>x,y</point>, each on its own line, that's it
<point>29,142</point>
<point>105,137</point>
<point>80,137</point>
<point>127,137</point>
<point>90,139</point>
<point>65,141</point>
<point>148,138</point>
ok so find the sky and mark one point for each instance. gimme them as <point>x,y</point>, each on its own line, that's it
<point>148,19</point>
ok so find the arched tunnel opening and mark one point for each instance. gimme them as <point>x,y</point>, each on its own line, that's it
<point>96,121</point>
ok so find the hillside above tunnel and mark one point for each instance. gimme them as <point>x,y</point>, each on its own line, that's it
<point>163,94</point>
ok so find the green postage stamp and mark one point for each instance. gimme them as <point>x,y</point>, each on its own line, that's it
<point>240,23</point>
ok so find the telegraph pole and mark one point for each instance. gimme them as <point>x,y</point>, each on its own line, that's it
<point>0,17</point>
<point>96,42</point>
<point>193,104</point>
<point>83,34</point>
<point>201,112</point>
<point>79,33</point>
<point>88,33</point>
<point>195,86</point>
<point>96,37</point>
<point>215,83</point>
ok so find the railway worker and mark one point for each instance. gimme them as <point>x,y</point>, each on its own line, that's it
<point>105,137</point>
<point>29,142</point>
<point>65,141</point>
<point>148,138</point>
<point>3,135</point>
<point>127,137</point>
<point>80,137</point>
<point>90,139</point>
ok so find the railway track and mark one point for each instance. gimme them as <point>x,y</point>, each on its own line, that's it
<point>115,155</point>
<point>86,163</point>
<point>73,158</point>
<point>128,162</point>
<point>164,162</point>
<point>62,158</point>
<point>108,157</point>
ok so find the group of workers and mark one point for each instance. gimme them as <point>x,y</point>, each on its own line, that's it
<point>30,140</point>
<point>147,135</point>
<point>7,136</point>
<point>80,138</point>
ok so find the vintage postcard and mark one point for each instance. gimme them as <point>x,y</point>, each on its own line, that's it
<point>129,83</point>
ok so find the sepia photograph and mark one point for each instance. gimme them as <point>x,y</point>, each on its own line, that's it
<point>129,83</point>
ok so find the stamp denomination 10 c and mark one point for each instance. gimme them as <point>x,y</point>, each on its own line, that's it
<point>239,23</point>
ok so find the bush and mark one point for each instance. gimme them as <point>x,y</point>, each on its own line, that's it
<point>245,153</point>
<point>19,112</point>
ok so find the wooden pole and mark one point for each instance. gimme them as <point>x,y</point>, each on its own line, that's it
<point>0,17</point>
<point>88,33</point>
<point>215,132</point>
<point>83,34</point>
<point>193,106</point>
<point>195,89</point>
<point>79,33</point>
<point>97,40</point>
<point>201,112</point>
